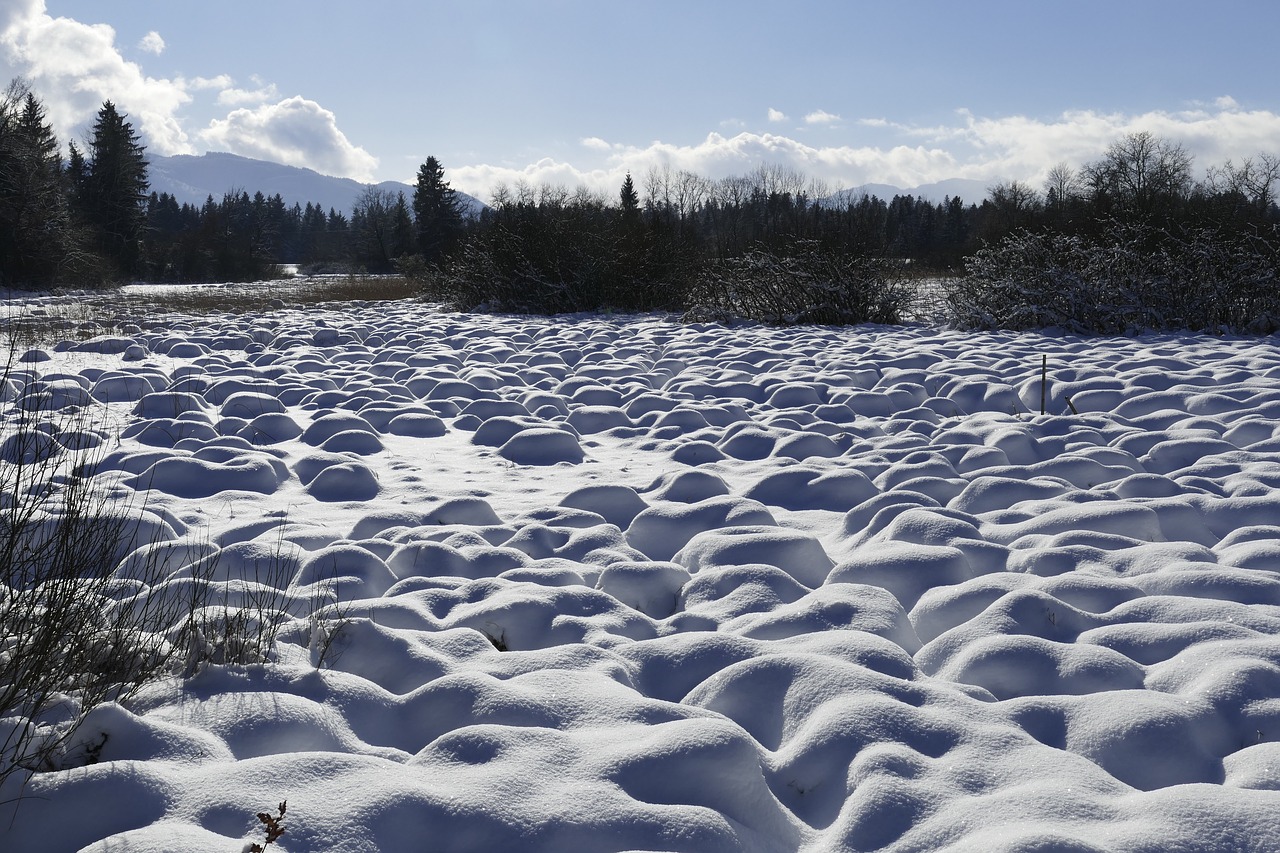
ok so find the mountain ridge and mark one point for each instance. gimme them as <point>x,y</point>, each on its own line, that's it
<point>192,178</point>
<point>967,190</point>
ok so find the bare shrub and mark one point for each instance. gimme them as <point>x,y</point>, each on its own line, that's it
<point>1129,278</point>
<point>803,285</point>
<point>238,607</point>
<point>548,272</point>
<point>73,632</point>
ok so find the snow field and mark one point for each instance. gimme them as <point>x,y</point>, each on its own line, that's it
<point>619,584</point>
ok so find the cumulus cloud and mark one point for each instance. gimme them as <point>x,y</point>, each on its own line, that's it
<point>222,81</point>
<point>152,43</point>
<point>776,115</point>
<point>1024,148</point>
<point>481,180</point>
<point>76,66</point>
<point>719,156</point>
<point>821,117</point>
<point>980,148</point>
<point>295,131</point>
<point>232,96</point>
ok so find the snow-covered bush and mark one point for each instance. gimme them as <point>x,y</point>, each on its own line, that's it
<point>803,285</point>
<point>1128,278</point>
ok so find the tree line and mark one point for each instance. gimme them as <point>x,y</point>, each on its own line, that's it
<point>89,217</point>
<point>774,245</point>
<point>659,242</point>
<point>75,220</point>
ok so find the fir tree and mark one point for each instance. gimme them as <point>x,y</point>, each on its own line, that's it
<point>402,230</point>
<point>630,201</point>
<point>35,233</point>
<point>437,216</point>
<point>116,189</point>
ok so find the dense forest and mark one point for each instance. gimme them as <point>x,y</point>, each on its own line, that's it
<point>677,239</point>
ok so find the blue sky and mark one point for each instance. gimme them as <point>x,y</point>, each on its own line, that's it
<point>580,91</point>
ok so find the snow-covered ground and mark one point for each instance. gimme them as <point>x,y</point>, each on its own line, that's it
<point>621,584</point>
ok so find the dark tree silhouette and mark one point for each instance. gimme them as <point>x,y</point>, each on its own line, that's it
<point>35,234</point>
<point>114,193</point>
<point>436,212</point>
<point>629,199</point>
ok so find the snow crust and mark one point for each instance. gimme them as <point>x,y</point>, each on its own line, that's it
<point>619,584</point>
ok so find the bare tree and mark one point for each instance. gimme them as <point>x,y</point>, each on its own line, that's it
<point>1062,183</point>
<point>1015,203</point>
<point>774,179</point>
<point>1140,173</point>
<point>383,227</point>
<point>691,192</point>
<point>1254,179</point>
<point>658,192</point>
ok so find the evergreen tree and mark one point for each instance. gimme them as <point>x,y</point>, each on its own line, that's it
<point>437,215</point>
<point>630,200</point>
<point>402,230</point>
<point>116,189</point>
<point>77,178</point>
<point>35,232</point>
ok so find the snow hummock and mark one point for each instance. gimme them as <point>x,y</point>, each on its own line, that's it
<point>621,584</point>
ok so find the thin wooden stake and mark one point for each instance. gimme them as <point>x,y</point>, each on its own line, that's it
<point>1044,380</point>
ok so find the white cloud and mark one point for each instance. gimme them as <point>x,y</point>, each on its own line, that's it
<point>821,117</point>
<point>152,43</point>
<point>776,115</point>
<point>222,81</point>
<point>232,97</point>
<point>720,156</point>
<point>481,180</point>
<point>16,14</point>
<point>987,149</point>
<point>295,131</point>
<point>75,67</point>
<point>595,143</point>
<point>1023,148</point>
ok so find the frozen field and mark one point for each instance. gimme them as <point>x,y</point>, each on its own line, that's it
<point>619,584</point>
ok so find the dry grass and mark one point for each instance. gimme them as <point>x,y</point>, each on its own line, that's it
<point>29,321</point>
<point>263,296</point>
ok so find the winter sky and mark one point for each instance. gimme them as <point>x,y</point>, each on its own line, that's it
<point>580,91</point>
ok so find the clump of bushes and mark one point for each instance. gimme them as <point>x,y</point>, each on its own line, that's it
<point>561,261</point>
<point>555,265</point>
<point>804,284</point>
<point>1126,278</point>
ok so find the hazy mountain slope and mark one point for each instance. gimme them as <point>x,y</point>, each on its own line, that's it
<point>192,179</point>
<point>969,191</point>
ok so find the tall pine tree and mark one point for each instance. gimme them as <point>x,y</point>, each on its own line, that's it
<point>115,192</point>
<point>629,199</point>
<point>436,212</point>
<point>35,231</point>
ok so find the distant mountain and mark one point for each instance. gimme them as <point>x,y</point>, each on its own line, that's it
<point>192,179</point>
<point>968,191</point>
